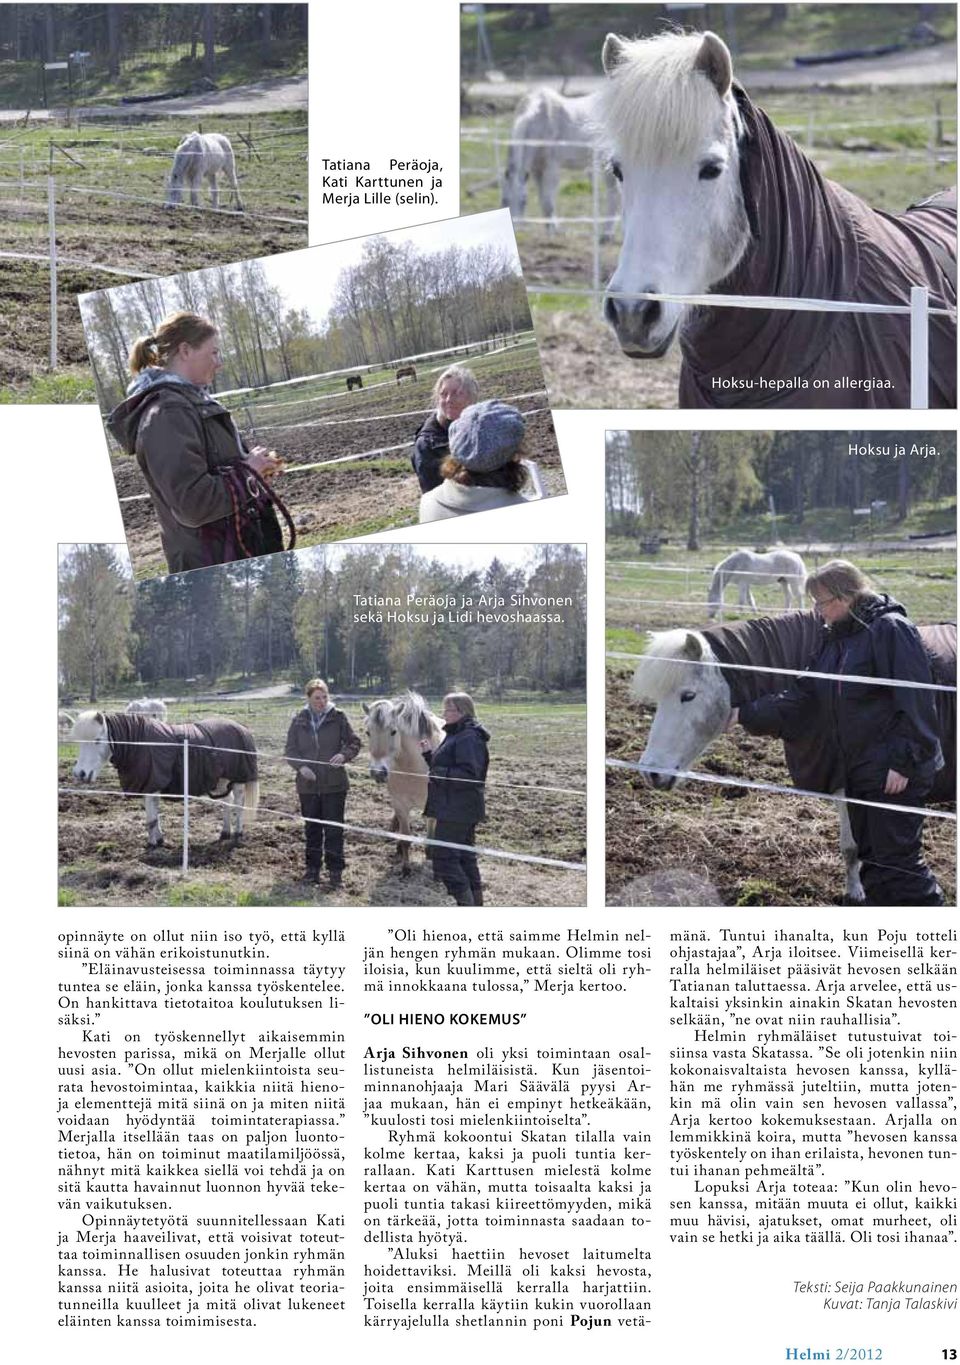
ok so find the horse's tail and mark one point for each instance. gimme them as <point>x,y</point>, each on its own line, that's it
<point>251,800</point>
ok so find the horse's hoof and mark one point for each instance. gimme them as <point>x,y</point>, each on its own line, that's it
<point>223,836</point>
<point>161,843</point>
<point>852,900</point>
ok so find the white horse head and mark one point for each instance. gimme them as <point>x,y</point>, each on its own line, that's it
<point>90,731</point>
<point>671,126</point>
<point>391,723</point>
<point>693,703</point>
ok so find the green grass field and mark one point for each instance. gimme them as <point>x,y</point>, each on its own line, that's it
<point>653,598</point>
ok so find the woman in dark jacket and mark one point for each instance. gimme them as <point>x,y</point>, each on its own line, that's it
<point>887,736</point>
<point>458,771</point>
<point>320,742</point>
<point>185,442</point>
<point>455,390</point>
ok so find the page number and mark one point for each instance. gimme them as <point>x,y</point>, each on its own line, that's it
<point>950,1353</point>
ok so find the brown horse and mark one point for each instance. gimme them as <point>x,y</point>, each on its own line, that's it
<point>394,731</point>
<point>406,372</point>
<point>354,381</point>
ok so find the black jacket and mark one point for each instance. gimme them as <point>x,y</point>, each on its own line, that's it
<point>431,448</point>
<point>463,754</point>
<point>892,727</point>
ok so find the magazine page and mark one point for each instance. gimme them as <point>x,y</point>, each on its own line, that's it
<point>501,870</point>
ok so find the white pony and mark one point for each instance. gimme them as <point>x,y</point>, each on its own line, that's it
<point>544,116</point>
<point>693,708</point>
<point>746,567</point>
<point>394,731</point>
<point>685,225</point>
<point>148,706</point>
<point>202,156</point>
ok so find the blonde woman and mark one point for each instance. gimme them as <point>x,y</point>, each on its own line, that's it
<point>887,736</point>
<point>185,442</point>
<point>455,390</point>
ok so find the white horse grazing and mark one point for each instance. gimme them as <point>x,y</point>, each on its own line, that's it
<point>202,156</point>
<point>746,567</point>
<point>148,706</point>
<point>544,116</point>
<point>693,707</point>
<point>394,731</point>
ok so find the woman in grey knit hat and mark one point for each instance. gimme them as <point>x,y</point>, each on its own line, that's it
<point>484,469</point>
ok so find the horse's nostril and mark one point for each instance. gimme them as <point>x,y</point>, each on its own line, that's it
<point>610,310</point>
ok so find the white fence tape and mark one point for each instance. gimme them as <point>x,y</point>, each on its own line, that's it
<point>383,416</point>
<point>67,261</point>
<point>721,607</point>
<point>790,672</point>
<point>304,468</point>
<point>773,303</point>
<point>322,763</point>
<point>193,208</point>
<point>384,365</point>
<point>481,849</point>
<point>716,780</point>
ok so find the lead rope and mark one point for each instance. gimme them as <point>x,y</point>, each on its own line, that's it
<point>233,476</point>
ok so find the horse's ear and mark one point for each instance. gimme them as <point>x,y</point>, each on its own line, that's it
<point>366,708</point>
<point>714,60</point>
<point>614,51</point>
<point>692,647</point>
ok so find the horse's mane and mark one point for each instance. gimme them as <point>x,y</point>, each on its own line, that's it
<point>413,715</point>
<point>85,725</point>
<point>653,679</point>
<point>656,102</point>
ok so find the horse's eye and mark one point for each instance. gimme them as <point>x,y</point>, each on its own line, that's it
<point>393,732</point>
<point>710,170</point>
<point>616,171</point>
<point>687,696</point>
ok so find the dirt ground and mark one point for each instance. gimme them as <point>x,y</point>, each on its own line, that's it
<point>341,501</point>
<point>104,858</point>
<point>704,845</point>
<point>585,368</point>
